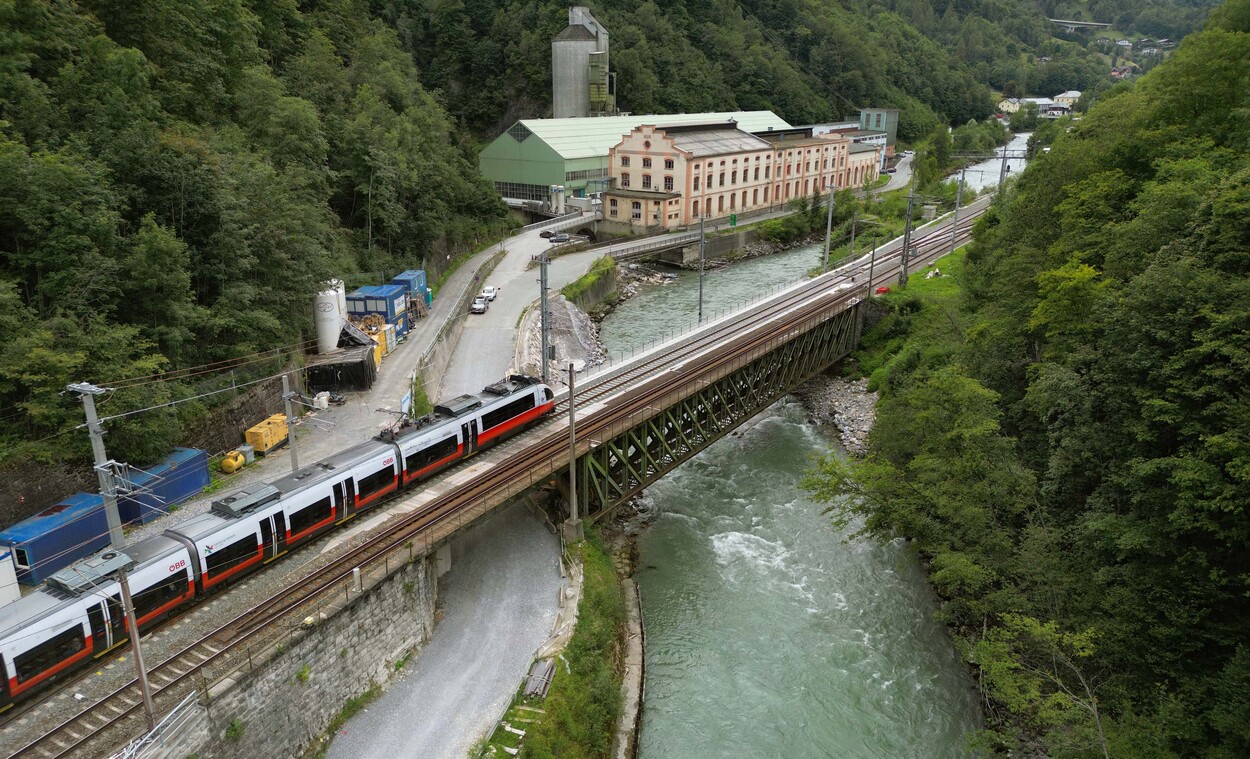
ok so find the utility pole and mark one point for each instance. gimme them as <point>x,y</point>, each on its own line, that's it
<point>959,196</point>
<point>103,467</point>
<point>287,395</point>
<point>132,626</point>
<point>824,266</point>
<point>544,327</point>
<point>1002,174</point>
<point>702,249</point>
<point>902,280</point>
<point>573,528</point>
<point>854,220</point>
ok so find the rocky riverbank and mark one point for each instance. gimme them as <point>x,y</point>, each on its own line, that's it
<point>847,405</point>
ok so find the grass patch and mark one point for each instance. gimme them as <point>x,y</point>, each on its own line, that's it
<point>351,707</point>
<point>585,700</point>
<point>421,404</point>
<point>927,310</point>
<point>304,673</point>
<point>601,268</point>
<point>234,731</point>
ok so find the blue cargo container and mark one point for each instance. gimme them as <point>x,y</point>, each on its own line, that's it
<point>154,489</point>
<point>57,537</point>
<point>413,279</point>
<point>387,300</point>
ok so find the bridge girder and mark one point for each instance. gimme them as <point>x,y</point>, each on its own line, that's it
<point>620,466</point>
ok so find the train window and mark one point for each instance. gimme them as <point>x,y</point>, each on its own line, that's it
<point>380,479</point>
<point>228,558</point>
<point>48,654</point>
<point>436,451</point>
<point>21,558</point>
<point>156,596</point>
<point>547,393</point>
<point>502,414</point>
<point>310,515</point>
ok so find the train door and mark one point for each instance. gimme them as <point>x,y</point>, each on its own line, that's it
<point>273,536</point>
<point>108,624</point>
<point>343,499</point>
<point>469,431</point>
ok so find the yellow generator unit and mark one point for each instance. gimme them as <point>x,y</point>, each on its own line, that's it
<point>267,435</point>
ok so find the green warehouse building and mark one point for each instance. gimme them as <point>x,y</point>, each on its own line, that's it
<point>534,155</point>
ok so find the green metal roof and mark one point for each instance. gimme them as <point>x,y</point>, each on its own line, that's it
<point>590,137</point>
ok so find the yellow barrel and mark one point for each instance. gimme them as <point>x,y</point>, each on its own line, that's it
<point>232,462</point>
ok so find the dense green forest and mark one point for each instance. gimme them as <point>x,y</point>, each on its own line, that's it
<point>189,171</point>
<point>1066,438</point>
<point>181,175</point>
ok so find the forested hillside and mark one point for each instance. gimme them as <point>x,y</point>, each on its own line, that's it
<point>179,177</point>
<point>1069,444</point>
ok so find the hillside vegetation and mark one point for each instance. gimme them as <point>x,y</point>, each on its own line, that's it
<point>1068,444</point>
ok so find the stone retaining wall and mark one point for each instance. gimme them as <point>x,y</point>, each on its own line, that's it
<point>286,702</point>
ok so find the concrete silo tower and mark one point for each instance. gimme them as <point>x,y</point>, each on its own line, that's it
<point>581,84</point>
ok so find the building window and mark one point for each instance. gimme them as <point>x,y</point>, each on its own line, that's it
<point>824,164</point>
<point>668,163</point>
<point>612,207</point>
<point>755,197</point>
<point>733,178</point>
<point>646,181</point>
<point>722,180</point>
<point>519,132</point>
<point>636,210</point>
<point>696,184</point>
<point>765,195</point>
<point>722,163</point>
<point>733,198</point>
<point>878,121</point>
<point>646,163</point>
<point>668,184</point>
<point>720,203</point>
<point>766,171</point>
<point>694,209</point>
<point>807,167</point>
<point>624,160</point>
<point>625,179</point>
<point>757,173</point>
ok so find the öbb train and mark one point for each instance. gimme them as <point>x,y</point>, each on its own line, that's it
<point>77,616</point>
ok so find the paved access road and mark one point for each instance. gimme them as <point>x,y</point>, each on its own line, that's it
<point>499,605</point>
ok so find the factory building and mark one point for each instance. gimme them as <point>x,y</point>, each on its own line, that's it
<point>534,156</point>
<point>581,84</point>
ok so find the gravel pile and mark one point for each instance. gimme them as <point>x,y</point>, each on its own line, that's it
<point>573,334</point>
<point>845,404</point>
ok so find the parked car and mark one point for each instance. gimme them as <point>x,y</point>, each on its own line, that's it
<point>562,237</point>
<point>546,233</point>
<point>490,292</point>
<point>480,304</point>
<point>891,170</point>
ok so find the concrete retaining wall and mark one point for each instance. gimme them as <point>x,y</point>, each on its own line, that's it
<point>602,290</point>
<point>286,702</point>
<point>719,246</point>
<point>433,365</point>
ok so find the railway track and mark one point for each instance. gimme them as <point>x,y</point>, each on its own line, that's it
<point>723,341</point>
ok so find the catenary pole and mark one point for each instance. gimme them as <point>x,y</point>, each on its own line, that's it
<point>287,395</point>
<point>702,253</point>
<point>824,265</point>
<point>959,196</point>
<point>132,627</point>
<point>574,524</point>
<point>103,467</point>
<point>544,327</point>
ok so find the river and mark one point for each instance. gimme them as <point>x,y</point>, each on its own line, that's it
<point>769,633</point>
<point>985,174</point>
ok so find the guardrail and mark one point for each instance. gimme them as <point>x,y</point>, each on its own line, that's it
<point>556,220</point>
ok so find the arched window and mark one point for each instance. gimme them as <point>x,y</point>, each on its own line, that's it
<point>694,209</point>
<point>624,179</point>
<point>696,184</point>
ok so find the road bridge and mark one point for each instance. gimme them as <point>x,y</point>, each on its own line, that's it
<point>1072,26</point>
<point>636,420</point>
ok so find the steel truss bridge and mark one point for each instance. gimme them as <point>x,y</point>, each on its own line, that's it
<point>635,421</point>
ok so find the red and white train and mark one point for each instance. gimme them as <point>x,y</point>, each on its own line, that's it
<point>77,616</point>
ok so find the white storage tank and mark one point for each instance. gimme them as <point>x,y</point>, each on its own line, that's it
<point>337,286</point>
<point>327,320</point>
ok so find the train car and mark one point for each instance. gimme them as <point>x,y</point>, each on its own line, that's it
<point>78,617</point>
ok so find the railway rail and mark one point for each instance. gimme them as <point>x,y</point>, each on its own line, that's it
<point>724,342</point>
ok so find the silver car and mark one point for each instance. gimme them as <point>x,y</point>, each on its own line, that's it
<point>479,306</point>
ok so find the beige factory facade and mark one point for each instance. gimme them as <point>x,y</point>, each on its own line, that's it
<point>668,176</point>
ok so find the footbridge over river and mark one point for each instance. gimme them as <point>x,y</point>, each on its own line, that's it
<point>636,420</point>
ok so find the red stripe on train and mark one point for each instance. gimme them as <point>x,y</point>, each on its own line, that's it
<point>437,464</point>
<point>15,687</point>
<point>208,582</point>
<point>515,422</point>
<point>362,502</point>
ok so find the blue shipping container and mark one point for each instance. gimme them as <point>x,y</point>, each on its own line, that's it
<point>180,477</point>
<point>401,325</point>
<point>387,300</point>
<point>413,279</point>
<point>57,537</point>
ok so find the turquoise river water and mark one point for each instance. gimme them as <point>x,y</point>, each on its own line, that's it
<point>769,633</point>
